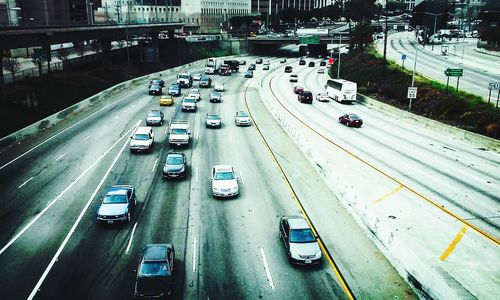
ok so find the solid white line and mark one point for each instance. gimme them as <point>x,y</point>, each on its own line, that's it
<point>268,274</point>
<point>194,254</point>
<point>60,156</point>
<point>24,183</point>
<point>242,179</point>
<point>59,133</point>
<point>166,130</point>
<point>154,166</point>
<point>196,169</point>
<point>230,139</point>
<point>63,192</point>
<point>72,230</point>
<point>86,138</point>
<point>173,110</point>
<point>131,238</point>
<point>196,135</point>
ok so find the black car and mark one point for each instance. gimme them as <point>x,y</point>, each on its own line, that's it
<point>175,165</point>
<point>242,62</point>
<point>351,120</point>
<point>258,61</point>
<point>154,273</point>
<point>311,64</point>
<point>157,82</point>
<point>251,67</point>
<point>302,62</point>
<point>249,74</point>
<point>154,89</point>
<point>288,69</point>
<point>322,63</point>
<point>306,97</point>
<point>205,82</point>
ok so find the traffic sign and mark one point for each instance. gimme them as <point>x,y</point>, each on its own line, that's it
<point>412,93</point>
<point>454,72</point>
<point>403,57</point>
<point>494,85</point>
<point>309,39</point>
<point>331,60</point>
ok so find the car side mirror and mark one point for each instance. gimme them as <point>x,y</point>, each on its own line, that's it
<point>189,131</point>
<point>211,178</point>
<point>131,137</point>
<point>237,177</point>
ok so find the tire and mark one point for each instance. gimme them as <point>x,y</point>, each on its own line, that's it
<point>128,217</point>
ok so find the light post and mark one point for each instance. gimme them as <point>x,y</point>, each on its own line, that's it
<point>338,66</point>
<point>414,63</point>
<point>92,20</point>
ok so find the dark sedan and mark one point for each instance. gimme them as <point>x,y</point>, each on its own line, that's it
<point>302,62</point>
<point>251,67</point>
<point>311,64</point>
<point>205,82</point>
<point>154,89</point>
<point>351,120</point>
<point>175,165</point>
<point>298,89</point>
<point>306,97</point>
<point>155,271</point>
<point>157,82</point>
<point>248,74</point>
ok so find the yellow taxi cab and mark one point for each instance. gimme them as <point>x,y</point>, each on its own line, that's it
<point>166,100</point>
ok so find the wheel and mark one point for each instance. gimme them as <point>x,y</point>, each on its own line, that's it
<point>128,217</point>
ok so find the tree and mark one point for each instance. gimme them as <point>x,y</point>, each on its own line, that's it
<point>12,65</point>
<point>361,12</point>
<point>38,60</point>
<point>63,55</point>
<point>431,14</point>
<point>489,28</point>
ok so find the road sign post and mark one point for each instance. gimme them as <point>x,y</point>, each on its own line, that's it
<point>494,86</point>
<point>453,73</point>
<point>403,58</point>
<point>412,94</point>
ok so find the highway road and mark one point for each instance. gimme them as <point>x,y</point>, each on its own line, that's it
<point>478,69</point>
<point>52,248</point>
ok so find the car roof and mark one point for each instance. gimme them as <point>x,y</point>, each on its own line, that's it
<point>175,154</point>
<point>117,192</point>
<point>241,111</point>
<point>297,222</point>
<point>156,252</point>
<point>223,168</point>
<point>143,129</point>
<point>213,114</point>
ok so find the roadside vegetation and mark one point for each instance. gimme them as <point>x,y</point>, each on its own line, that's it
<point>455,108</point>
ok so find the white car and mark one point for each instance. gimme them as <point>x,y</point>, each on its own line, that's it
<point>197,77</point>
<point>142,139</point>
<point>188,104</point>
<point>266,63</point>
<point>242,118</point>
<point>195,93</point>
<point>224,181</point>
<point>219,87</point>
<point>322,97</point>
<point>321,70</point>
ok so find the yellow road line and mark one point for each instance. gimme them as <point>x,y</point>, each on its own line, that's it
<point>453,244</point>
<point>485,234</point>
<point>399,188</point>
<point>325,251</point>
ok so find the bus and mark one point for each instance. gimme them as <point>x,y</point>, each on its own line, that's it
<point>341,90</point>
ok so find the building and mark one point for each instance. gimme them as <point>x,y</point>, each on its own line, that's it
<point>275,6</point>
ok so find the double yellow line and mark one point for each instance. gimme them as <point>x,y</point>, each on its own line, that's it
<point>327,254</point>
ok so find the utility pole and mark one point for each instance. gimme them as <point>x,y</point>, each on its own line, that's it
<point>385,44</point>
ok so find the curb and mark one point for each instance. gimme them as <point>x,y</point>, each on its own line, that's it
<point>487,52</point>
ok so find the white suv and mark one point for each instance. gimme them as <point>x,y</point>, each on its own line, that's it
<point>142,139</point>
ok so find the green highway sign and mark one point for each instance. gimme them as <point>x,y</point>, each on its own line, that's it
<point>454,72</point>
<point>310,39</point>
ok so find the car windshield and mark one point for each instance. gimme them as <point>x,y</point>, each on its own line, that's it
<point>174,160</point>
<point>213,117</point>
<point>154,269</point>
<point>184,76</point>
<point>141,137</point>
<point>301,236</point>
<point>353,117</point>
<point>179,131</point>
<point>155,86</point>
<point>215,94</point>
<point>154,114</point>
<point>224,176</point>
<point>174,87</point>
<point>112,199</point>
<point>307,94</point>
<point>189,100</point>
<point>242,114</point>
<point>204,79</point>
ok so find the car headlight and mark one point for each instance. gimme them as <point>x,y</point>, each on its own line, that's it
<point>294,254</point>
<point>182,169</point>
<point>215,189</point>
<point>234,189</point>
<point>318,254</point>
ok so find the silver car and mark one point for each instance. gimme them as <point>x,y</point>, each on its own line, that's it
<point>299,241</point>
<point>224,181</point>
<point>215,96</point>
<point>242,118</point>
<point>213,120</point>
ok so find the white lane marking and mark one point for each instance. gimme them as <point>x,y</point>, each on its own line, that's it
<point>242,179</point>
<point>63,192</point>
<point>116,117</point>
<point>173,110</point>
<point>72,230</point>
<point>60,132</point>
<point>154,166</point>
<point>268,273</point>
<point>230,139</point>
<point>166,130</point>
<point>24,183</point>
<point>131,238</point>
<point>194,254</point>
<point>196,135</point>
<point>196,169</point>
<point>60,156</point>
<point>86,138</point>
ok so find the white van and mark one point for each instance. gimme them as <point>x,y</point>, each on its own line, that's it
<point>341,90</point>
<point>142,139</point>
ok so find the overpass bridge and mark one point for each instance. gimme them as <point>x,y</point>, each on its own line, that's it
<point>315,46</point>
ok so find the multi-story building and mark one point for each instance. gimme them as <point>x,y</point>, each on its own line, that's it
<point>275,6</point>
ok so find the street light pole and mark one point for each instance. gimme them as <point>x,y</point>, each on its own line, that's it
<point>338,66</point>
